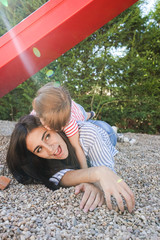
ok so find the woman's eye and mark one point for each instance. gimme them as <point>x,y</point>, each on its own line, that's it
<point>47,136</point>
<point>39,149</point>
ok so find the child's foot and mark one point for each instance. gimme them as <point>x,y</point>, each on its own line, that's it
<point>92,114</point>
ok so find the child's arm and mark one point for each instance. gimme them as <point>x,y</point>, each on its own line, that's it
<point>74,140</point>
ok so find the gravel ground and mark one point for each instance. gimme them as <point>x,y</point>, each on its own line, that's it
<point>34,212</point>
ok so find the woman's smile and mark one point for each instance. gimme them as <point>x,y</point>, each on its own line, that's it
<point>58,151</point>
<point>46,144</point>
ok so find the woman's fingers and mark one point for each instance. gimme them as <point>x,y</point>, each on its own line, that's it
<point>128,200</point>
<point>92,196</point>
<point>79,188</point>
<point>86,188</point>
<point>101,201</point>
<point>131,197</point>
<point>90,203</point>
<point>98,201</point>
<point>94,200</point>
<point>123,190</point>
<point>119,201</point>
<point>108,200</point>
<point>85,197</point>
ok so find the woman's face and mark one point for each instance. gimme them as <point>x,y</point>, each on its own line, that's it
<point>46,144</point>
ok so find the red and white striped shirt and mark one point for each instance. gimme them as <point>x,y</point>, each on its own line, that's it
<point>76,115</point>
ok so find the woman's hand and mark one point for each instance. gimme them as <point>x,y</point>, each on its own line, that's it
<point>92,196</point>
<point>108,181</point>
<point>111,185</point>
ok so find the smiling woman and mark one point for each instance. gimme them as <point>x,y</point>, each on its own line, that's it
<point>47,156</point>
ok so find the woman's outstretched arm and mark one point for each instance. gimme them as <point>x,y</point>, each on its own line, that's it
<point>108,180</point>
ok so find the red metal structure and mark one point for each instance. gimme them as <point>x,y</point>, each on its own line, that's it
<point>46,34</point>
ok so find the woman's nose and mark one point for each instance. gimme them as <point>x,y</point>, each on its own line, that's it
<point>49,148</point>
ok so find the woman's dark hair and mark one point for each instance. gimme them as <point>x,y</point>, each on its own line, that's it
<point>27,167</point>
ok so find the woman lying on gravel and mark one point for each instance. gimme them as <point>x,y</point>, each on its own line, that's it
<point>47,156</point>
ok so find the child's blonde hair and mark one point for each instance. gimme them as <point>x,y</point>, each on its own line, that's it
<point>53,106</point>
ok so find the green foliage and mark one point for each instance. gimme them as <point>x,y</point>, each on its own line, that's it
<point>123,90</point>
<point>17,102</point>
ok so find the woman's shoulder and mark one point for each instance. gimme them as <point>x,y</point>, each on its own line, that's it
<point>87,134</point>
<point>88,129</point>
<point>85,125</point>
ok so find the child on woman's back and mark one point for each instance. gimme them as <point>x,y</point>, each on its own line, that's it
<point>57,111</point>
